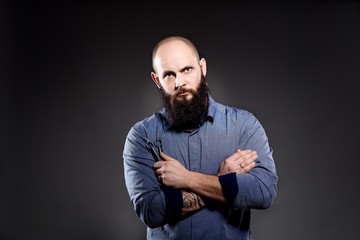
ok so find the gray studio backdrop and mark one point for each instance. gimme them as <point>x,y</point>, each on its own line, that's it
<point>76,77</point>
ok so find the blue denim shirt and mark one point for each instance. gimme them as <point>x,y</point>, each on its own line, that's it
<point>225,130</point>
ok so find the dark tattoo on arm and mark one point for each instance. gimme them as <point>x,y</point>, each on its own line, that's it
<point>191,203</point>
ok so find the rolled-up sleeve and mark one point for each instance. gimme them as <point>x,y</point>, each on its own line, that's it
<point>154,205</point>
<point>258,187</point>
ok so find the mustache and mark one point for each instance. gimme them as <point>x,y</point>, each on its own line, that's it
<point>182,89</point>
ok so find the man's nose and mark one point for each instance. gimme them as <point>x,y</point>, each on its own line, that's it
<point>179,82</point>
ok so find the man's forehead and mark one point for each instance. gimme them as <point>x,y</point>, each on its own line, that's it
<point>175,61</point>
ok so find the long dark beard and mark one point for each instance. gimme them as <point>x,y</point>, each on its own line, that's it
<point>187,114</point>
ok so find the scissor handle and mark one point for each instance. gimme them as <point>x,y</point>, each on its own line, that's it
<point>159,144</point>
<point>150,146</point>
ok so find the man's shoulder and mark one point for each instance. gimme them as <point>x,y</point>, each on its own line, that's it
<point>147,128</point>
<point>242,112</point>
<point>153,120</point>
<point>231,110</point>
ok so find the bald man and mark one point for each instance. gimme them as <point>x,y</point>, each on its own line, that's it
<point>196,168</point>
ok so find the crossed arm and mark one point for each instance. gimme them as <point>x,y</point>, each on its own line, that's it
<point>196,187</point>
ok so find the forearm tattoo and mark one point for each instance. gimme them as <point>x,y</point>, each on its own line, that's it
<point>191,203</point>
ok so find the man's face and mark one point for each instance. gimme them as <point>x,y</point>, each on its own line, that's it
<point>178,67</point>
<point>180,76</point>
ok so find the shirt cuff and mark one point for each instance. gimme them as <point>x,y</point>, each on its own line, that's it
<point>174,204</point>
<point>229,187</point>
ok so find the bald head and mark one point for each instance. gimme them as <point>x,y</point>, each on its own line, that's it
<point>173,43</point>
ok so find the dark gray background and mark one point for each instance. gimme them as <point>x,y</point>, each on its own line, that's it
<point>76,77</point>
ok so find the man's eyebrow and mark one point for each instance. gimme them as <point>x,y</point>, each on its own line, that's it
<point>181,70</point>
<point>186,67</point>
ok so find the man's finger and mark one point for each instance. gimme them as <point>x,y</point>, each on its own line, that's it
<point>241,154</point>
<point>248,167</point>
<point>249,160</point>
<point>166,157</point>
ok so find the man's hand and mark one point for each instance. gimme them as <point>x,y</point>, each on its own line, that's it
<point>240,162</point>
<point>171,172</point>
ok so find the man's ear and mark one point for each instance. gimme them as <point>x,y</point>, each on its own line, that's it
<point>155,78</point>
<point>203,65</point>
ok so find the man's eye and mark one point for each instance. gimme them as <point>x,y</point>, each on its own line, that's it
<point>168,75</point>
<point>188,69</point>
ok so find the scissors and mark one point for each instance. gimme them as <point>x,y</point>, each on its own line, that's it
<point>155,147</point>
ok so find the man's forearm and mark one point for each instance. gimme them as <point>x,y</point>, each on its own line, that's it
<point>201,186</point>
<point>191,203</point>
<point>173,174</point>
<point>207,186</point>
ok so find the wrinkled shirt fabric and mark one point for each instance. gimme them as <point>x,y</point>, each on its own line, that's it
<point>225,130</point>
